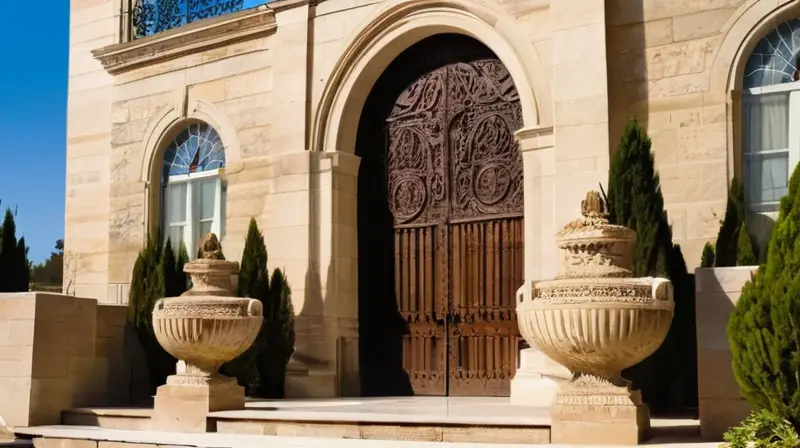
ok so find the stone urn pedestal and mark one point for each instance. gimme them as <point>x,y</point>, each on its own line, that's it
<point>596,320</point>
<point>203,328</point>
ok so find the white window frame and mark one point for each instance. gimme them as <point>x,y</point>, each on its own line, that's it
<point>191,236</point>
<point>793,88</point>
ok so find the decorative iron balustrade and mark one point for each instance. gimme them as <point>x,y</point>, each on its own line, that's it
<point>150,17</point>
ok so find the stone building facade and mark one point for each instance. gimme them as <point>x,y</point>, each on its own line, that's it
<point>274,95</point>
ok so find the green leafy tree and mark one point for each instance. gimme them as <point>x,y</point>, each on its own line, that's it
<point>635,200</point>
<point>51,271</point>
<point>708,257</point>
<point>763,327</point>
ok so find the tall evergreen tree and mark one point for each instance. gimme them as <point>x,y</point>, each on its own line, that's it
<point>745,249</point>
<point>253,283</point>
<point>275,353</point>
<point>23,282</point>
<point>763,327</point>
<point>728,237</point>
<point>154,276</point>
<point>9,267</point>
<point>635,201</point>
<point>709,256</point>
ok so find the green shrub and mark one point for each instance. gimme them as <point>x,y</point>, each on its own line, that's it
<point>279,338</point>
<point>635,200</point>
<point>763,429</point>
<point>745,249</point>
<point>708,257</point>
<point>728,237</point>
<point>253,283</point>
<point>156,274</point>
<point>763,327</point>
<point>261,369</point>
<point>14,263</point>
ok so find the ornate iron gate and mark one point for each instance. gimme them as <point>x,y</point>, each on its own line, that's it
<point>456,195</point>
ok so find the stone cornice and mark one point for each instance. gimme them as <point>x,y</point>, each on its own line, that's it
<point>188,39</point>
<point>535,138</point>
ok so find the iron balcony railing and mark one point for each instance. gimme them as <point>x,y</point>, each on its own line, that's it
<point>149,17</point>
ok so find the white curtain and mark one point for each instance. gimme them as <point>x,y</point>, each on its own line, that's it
<point>176,213</point>
<point>766,147</point>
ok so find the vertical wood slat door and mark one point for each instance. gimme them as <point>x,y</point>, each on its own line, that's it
<point>455,192</point>
<point>483,335</point>
<point>425,342</point>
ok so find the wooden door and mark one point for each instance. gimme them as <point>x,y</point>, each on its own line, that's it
<point>456,196</point>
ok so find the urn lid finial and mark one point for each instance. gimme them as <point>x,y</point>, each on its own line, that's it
<point>210,248</point>
<point>593,207</point>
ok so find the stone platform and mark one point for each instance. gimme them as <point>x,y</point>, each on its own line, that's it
<point>473,421</point>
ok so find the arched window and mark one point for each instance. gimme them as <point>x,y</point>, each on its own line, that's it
<point>193,197</point>
<point>771,117</point>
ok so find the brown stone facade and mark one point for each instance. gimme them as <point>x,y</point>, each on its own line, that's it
<point>284,84</point>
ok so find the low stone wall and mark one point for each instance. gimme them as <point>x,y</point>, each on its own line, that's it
<point>720,402</point>
<point>59,352</point>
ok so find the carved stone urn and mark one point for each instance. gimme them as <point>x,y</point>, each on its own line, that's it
<point>205,327</point>
<point>596,320</point>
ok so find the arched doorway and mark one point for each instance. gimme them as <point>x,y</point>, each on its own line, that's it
<point>440,232</point>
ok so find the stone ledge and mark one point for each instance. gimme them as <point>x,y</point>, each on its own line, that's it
<point>192,38</point>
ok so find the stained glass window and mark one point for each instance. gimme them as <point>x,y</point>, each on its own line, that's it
<point>193,205</point>
<point>196,149</point>
<point>775,58</point>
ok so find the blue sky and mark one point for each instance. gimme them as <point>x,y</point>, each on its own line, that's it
<point>33,107</point>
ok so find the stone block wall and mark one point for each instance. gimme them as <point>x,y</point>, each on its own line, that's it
<point>660,71</point>
<point>59,352</point>
<point>93,24</point>
<point>720,403</point>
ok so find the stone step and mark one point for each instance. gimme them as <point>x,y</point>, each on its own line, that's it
<point>94,437</point>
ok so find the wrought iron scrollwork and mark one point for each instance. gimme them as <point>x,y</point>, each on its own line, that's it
<point>150,17</point>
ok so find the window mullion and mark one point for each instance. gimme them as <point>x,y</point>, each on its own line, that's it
<point>794,131</point>
<point>216,225</point>
<point>188,234</point>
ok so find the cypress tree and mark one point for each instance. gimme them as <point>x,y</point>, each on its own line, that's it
<point>275,353</point>
<point>153,271</point>
<point>708,257</point>
<point>9,265</point>
<point>745,249</point>
<point>182,282</point>
<point>253,283</point>
<point>635,201</point>
<point>763,327</point>
<point>23,283</point>
<point>728,237</point>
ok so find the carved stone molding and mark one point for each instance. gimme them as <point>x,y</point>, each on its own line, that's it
<point>192,38</point>
<point>535,138</point>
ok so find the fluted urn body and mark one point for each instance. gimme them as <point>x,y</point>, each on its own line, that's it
<point>206,327</point>
<point>596,320</point>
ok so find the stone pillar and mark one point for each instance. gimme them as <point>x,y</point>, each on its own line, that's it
<point>537,378</point>
<point>325,363</point>
<point>580,102</point>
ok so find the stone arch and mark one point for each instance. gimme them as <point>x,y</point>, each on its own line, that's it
<point>399,25</point>
<point>743,31</point>
<point>163,127</point>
